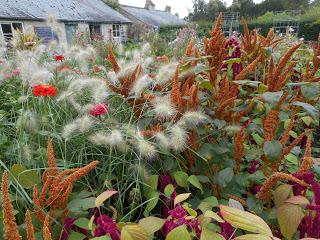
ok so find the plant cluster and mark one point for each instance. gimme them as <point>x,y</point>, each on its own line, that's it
<point>218,143</point>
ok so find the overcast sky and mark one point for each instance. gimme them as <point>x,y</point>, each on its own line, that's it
<point>180,6</point>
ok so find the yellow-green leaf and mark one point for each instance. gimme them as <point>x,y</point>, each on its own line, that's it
<point>179,233</point>
<point>289,218</point>
<point>181,197</point>
<point>245,220</point>
<point>256,237</point>
<point>103,197</point>
<point>298,200</point>
<point>133,232</point>
<point>152,224</point>
<point>281,194</point>
<point>207,234</point>
<point>213,215</point>
<point>26,178</point>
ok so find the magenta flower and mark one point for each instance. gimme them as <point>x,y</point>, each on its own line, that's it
<point>233,45</point>
<point>178,216</point>
<point>164,181</point>
<point>106,226</point>
<point>99,109</point>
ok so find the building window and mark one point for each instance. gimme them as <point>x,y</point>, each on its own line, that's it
<point>116,30</point>
<point>95,31</point>
<point>46,34</point>
<point>8,28</point>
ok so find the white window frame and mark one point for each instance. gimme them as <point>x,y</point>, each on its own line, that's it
<point>12,29</point>
<point>116,30</point>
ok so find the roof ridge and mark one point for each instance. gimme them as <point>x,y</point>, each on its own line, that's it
<point>122,5</point>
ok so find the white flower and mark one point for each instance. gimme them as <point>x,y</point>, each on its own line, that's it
<point>141,84</point>
<point>146,149</point>
<point>163,140</point>
<point>191,119</point>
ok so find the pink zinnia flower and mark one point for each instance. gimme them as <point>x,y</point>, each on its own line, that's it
<point>99,109</point>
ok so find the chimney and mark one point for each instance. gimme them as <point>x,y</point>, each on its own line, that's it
<point>168,9</point>
<point>150,5</point>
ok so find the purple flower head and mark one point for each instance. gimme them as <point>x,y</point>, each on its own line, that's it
<point>178,212</point>
<point>306,177</point>
<point>106,225</point>
<point>164,181</point>
<point>226,228</point>
<point>233,46</point>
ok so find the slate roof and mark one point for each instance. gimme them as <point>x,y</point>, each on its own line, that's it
<point>155,18</point>
<point>63,10</point>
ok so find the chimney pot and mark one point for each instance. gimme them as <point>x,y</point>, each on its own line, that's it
<point>168,9</point>
<point>150,5</point>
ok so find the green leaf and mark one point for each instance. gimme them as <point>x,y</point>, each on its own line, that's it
<point>82,223</point>
<point>256,237</point>
<point>152,224</point>
<point>211,214</point>
<point>289,218</point>
<point>169,189</point>
<point>281,194</point>
<point>79,205</point>
<point>259,140</point>
<point>307,120</point>
<point>207,234</point>
<point>245,220</point>
<point>76,236</point>
<point>310,91</point>
<point>181,179</point>
<point>190,211</point>
<point>272,150</point>
<point>101,238</point>
<point>26,178</point>
<point>208,203</point>
<point>311,110</point>
<point>225,176</point>
<point>179,233</point>
<point>181,197</point>
<point>195,182</point>
<point>152,203</point>
<point>133,232</point>
<point>272,97</point>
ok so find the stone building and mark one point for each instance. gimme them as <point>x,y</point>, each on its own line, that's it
<point>92,16</point>
<point>148,18</point>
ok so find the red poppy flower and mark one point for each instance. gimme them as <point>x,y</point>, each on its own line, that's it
<point>99,109</point>
<point>44,90</point>
<point>58,58</point>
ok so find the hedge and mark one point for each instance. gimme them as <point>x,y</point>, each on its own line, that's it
<point>308,30</point>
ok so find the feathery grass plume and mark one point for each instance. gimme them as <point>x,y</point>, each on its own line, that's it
<point>27,121</point>
<point>145,148</point>
<point>29,226</point>
<point>140,85</point>
<point>46,229</point>
<point>191,119</point>
<point>114,138</point>
<point>286,134</point>
<point>82,125</point>
<point>239,148</point>
<point>163,107</point>
<point>10,226</point>
<point>307,159</point>
<point>163,141</point>
<point>165,73</point>
<point>178,138</point>
<point>247,69</point>
<point>265,191</point>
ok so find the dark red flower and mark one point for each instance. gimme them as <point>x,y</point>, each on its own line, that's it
<point>106,226</point>
<point>99,109</point>
<point>58,58</point>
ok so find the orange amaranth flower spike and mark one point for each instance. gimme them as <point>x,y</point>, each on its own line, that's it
<point>307,160</point>
<point>176,97</point>
<point>249,68</point>
<point>239,148</point>
<point>111,57</point>
<point>9,222</point>
<point>46,229</point>
<point>285,136</point>
<point>29,226</point>
<point>265,191</point>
